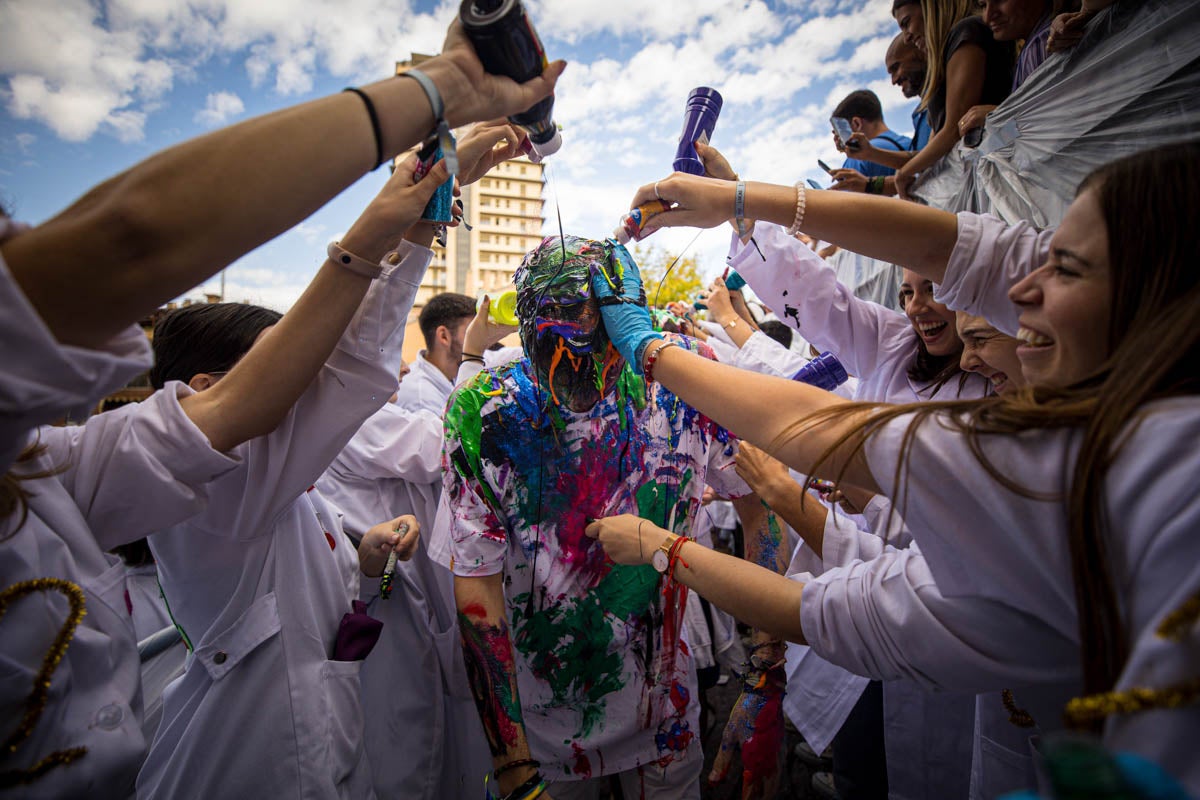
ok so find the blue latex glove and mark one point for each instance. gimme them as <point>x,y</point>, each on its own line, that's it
<point>623,306</point>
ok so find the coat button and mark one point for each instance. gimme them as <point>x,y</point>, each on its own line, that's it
<point>220,657</point>
<point>109,718</point>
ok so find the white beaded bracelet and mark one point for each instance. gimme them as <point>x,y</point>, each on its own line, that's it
<point>801,201</point>
<point>356,264</point>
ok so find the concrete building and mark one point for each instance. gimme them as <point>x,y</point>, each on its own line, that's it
<point>505,211</point>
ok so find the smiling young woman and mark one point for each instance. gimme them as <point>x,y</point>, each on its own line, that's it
<point>1068,505</point>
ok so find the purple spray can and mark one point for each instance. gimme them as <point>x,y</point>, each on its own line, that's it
<point>824,372</point>
<point>699,118</point>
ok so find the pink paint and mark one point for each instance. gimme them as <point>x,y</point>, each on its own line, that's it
<point>760,753</point>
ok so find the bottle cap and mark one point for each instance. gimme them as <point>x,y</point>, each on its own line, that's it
<point>539,150</point>
<point>503,309</point>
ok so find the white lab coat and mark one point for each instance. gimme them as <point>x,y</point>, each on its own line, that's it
<point>424,388</point>
<point>260,581</point>
<point>875,344</point>
<point>416,698</point>
<point>73,516</point>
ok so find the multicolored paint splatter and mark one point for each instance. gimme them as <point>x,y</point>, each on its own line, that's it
<point>524,476</point>
<point>489,661</point>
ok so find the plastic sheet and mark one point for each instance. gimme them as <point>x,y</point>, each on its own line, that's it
<point>1132,83</point>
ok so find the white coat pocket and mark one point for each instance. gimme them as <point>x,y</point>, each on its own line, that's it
<point>227,649</point>
<point>344,718</point>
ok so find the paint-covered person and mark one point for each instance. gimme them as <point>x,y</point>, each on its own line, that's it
<point>576,662</point>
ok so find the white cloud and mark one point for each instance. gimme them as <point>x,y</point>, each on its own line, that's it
<point>25,142</point>
<point>219,108</point>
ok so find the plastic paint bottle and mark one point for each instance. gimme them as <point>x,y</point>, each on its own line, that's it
<point>503,308</point>
<point>824,372</point>
<point>734,282</point>
<point>699,118</point>
<point>632,223</point>
<point>507,44</point>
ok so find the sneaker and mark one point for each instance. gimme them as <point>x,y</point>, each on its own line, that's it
<point>814,762</point>
<point>822,784</point>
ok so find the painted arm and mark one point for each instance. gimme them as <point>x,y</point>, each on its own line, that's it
<point>964,88</point>
<point>771,481</point>
<point>492,673</point>
<point>158,229</point>
<point>755,723</point>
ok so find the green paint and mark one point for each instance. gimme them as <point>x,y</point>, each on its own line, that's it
<point>464,422</point>
<point>654,500</point>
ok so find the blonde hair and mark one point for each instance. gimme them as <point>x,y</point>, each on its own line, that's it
<point>940,17</point>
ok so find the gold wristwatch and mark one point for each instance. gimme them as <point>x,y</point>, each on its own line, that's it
<point>662,556</point>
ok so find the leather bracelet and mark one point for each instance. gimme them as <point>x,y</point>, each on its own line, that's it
<point>449,151</point>
<point>465,354</point>
<point>356,264</point>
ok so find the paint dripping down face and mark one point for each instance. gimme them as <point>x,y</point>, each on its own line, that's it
<point>560,324</point>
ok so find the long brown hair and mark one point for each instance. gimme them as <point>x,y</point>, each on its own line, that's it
<point>14,498</point>
<point>940,17</point>
<point>1148,200</point>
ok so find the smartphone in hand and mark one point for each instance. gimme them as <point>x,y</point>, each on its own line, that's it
<point>824,166</point>
<point>814,184</point>
<point>843,132</point>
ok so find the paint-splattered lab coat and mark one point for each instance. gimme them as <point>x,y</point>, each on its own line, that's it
<point>587,633</point>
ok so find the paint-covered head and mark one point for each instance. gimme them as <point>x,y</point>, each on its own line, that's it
<point>560,324</point>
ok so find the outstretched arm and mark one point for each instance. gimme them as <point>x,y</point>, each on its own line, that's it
<point>158,229</point>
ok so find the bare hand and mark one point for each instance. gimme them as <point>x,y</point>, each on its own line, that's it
<point>627,539</point>
<point>483,331</point>
<point>698,202</point>
<point>471,94</point>
<point>860,147</point>
<point>399,535</point>
<point>396,208</point>
<point>715,165</point>
<point>1066,30</point>
<point>486,145</point>
<point>905,178</point>
<point>848,180</point>
<point>716,297</point>
<point>974,118</point>
<point>762,473</point>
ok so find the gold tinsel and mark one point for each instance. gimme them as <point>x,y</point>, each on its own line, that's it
<point>35,704</point>
<point>1084,711</point>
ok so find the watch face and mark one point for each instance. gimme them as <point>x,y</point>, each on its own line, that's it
<point>659,560</point>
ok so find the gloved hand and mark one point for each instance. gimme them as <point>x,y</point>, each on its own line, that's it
<point>617,286</point>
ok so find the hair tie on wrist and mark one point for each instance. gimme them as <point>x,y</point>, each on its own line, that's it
<point>374,124</point>
<point>449,151</point>
<point>356,264</point>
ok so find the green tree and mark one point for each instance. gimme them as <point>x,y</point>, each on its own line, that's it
<point>683,282</point>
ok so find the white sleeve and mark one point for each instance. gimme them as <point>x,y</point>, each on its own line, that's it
<point>886,619</point>
<point>843,542</point>
<point>764,355</point>
<point>40,379</point>
<point>989,257</point>
<point>138,469</point>
<point>804,292</point>
<point>396,444</point>
<point>355,382</point>
<point>466,371</point>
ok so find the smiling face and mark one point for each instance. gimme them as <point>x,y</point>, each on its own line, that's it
<point>906,66</point>
<point>911,20</point>
<point>560,324</point>
<point>1011,20</point>
<point>990,353</point>
<point>1066,303</point>
<point>932,321</point>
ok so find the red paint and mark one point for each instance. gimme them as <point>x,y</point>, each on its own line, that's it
<point>582,765</point>
<point>760,753</point>
<point>332,542</point>
<point>475,610</point>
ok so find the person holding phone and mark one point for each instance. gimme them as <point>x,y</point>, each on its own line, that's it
<point>861,113</point>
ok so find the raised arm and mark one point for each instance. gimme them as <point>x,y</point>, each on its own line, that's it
<point>158,229</point>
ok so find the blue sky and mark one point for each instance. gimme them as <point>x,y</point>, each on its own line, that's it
<point>88,89</point>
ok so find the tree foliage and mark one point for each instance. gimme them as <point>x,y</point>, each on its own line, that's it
<point>682,283</point>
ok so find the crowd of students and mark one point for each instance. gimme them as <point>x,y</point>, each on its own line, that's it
<point>992,518</point>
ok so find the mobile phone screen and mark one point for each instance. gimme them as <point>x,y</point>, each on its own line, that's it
<point>814,184</point>
<point>824,166</point>
<point>843,131</point>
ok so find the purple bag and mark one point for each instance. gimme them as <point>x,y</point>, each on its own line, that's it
<point>357,635</point>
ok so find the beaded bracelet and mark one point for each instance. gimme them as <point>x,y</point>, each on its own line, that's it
<point>801,202</point>
<point>652,359</point>
<point>356,264</point>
